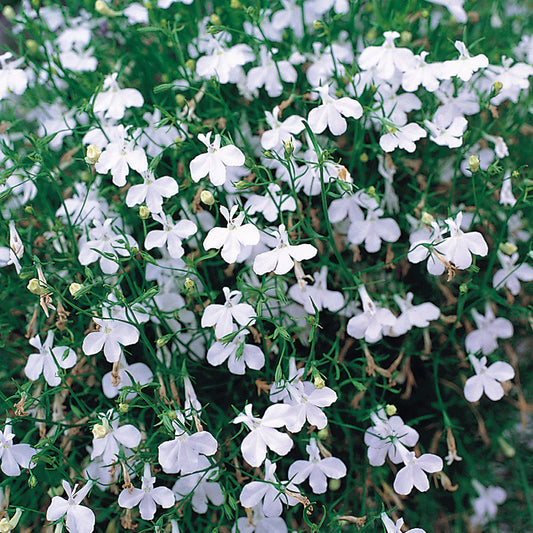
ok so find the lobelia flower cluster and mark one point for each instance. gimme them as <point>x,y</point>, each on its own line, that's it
<point>232,234</point>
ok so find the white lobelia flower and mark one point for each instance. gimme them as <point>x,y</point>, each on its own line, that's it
<point>214,162</point>
<point>456,9</point>
<point>152,191</point>
<point>510,275</point>
<point>487,379</point>
<point>413,315</point>
<point>464,66</point>
<point>13,456</point>
<point>239,354</point>
<point>202,487</point>
<point>403,137</point>
<point>421,73</point>
<point>104,238</point>
<point>171,235</point>
<point>392,527</point>
<point>490,328</point>
<point>119,156</point>
<point>317,469</point>
<point>80,519</point>
<point>108,437</point>
<point>372,322</point>
<point>259,523</point>
<point>305,402</point>
<point>445,133</point>
<point>48,360</point>
<point>222,315</point>
<point>486,504</point>
<point>317,295</point>
<point>281,259</point>
<point>113,101</point>
<point>388,436</point>
<point>271,203</point>
<point>280,132</point>
<point>186,453</point>
<point>373,229</point>
<point>506,192</point>
<point>268,492</point>
<point>386,58</point>
<point>270,73</point>
<point>425,245</point>
<point>414,472</point>
<point>233,237</point>
<point>110,337</point>
<point>263,433</point>
<point>12,79</point>
<point>225,64</point>
<point>459,246</point>
<point>330,114</point>
<point>16,248</point>
<point>147,497</point>
<point>139,372</point>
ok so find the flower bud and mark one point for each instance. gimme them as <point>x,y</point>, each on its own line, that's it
<point>207,197</point>
<point>215,20</point>
<point>73,288</point>
<point>507,449</point>
<point>144,212</point>
<point>101,430</point>
<point>496,87</point>
<point>318,24</point>
<point>35,287</point>
<point>189,284</point>
<point>93,154</point>
<point>9,12</point>
<point>288,146</point>
<point>180,100</point>
<point>406,37</point>
<point>101,7</point>
<point>29,209</point>
<point>508,248</point>
<point>473,163</point>
<point>363,157</point>
<point>427,218</point>
<point>32,46</point>
<point>323,433</point>
<point>190,64</point>
<point>371,191</point>
<point>319,382</point>
<point>334,484</point>
<point>235,4</point>
<point>123,407</point>
<point>390,409</point>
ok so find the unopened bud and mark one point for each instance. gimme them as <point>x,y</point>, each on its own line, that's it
<point>371,191</point>
<point>32,46</point>
<point>473,163</point>
<point>74,288</point>
<point>35,287</point>
<point>215,20</point>
<point>144,212</point>
<point>363,157</point>
<point>29,209</point>
<point>427,218</point>
<point>318,24</point>
<point>123,407</point>
<point>406,36</point>
<point>9,12</point>
<point>101,7</point>
<point>180,100</point>
<point>496,87</point>
<point>190,64</point>
<point>288,147</point>
<point>424,13</point>
<point>323,433</point>
<point>93,154</point>
<point>235,4</point>
<point>508,248</point>
<point>507,449</point>
<point>390,409</point>
<point>319,382</point>
<point>101,430</point>
<point>172,415</point>
<point>207,197</point>
<point>334,484</point>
